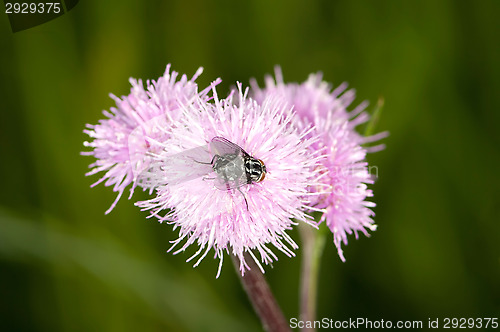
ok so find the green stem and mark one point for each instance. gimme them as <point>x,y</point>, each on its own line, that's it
<point>370,126</point>
<point>262,298</point>
<point>313,243</point>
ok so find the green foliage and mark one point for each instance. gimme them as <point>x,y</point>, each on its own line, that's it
<point>67,267</point>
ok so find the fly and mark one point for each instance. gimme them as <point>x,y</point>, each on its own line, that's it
<point>233,165</point>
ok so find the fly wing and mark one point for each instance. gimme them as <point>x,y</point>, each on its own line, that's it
<point>181,167</point>
<point>219,146</point>
<point>188,165</point>
<point>222,160</point>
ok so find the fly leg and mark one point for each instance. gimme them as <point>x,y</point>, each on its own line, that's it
<point>210,163</point>
<point>246,202</point>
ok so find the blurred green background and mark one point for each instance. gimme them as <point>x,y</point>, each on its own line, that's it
<point>65,266</point>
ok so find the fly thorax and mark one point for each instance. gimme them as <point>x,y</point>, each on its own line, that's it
<point>230,168</point>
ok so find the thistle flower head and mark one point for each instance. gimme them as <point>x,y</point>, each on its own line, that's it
<point>313,99</point>
<point>244,218</point>
<point>343,168</point>
<point>121,143</point>
<point>345,207</point>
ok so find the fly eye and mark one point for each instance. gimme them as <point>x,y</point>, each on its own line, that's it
<point>262,166</point>
<point>262,176</point>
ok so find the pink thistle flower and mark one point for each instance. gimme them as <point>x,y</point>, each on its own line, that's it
<point>121,142</point>
<point>344,169</point>
<point>345,207</point>
<point>249,217</point>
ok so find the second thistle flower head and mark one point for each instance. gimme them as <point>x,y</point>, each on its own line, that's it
<point>121,143</point>
<point>247,217</point>
<point>343,169</point>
